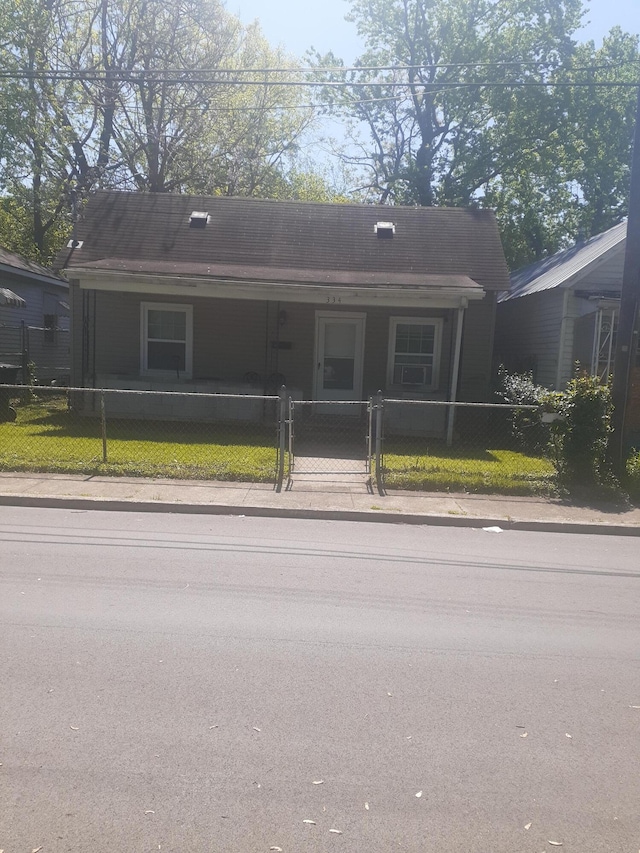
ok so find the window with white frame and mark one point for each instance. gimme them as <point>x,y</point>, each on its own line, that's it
<point>166,338</point>
<point>414,353</point>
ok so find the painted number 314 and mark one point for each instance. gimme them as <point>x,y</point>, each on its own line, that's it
<point>333,300</point>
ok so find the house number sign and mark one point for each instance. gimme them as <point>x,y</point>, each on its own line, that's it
<point>334,300</point>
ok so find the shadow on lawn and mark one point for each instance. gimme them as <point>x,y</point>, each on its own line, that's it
<point>435,449</point>
<point>70,425</point>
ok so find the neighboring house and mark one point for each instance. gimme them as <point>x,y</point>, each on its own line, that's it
<point>34,319</point>
<point>564,310</point>
<point>335,300</point>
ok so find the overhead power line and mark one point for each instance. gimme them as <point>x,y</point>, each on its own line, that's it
<point>347,69</point>
<point>187,79</point>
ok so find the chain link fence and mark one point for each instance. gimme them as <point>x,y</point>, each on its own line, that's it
<point>398,444</point>
<point>42,354</point>
<point>140,433</point>
<point>48,354</point>
<point>473,447</point>
<point>11,344</point>
<point>328,438</point>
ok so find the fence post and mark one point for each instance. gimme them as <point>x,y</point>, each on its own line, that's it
<point>24,347</point>
<point>379,472</point>
<point>291,425</point>
<point>282,434</point>
<point>451,416</point>
<point>103,424</point>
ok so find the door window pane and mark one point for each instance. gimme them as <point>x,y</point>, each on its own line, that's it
<point>338,374</point>
<point>339,356</point>
<point>340,340</point>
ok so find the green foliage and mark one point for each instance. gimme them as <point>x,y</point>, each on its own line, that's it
<point>519,389</point>
<point>162,111</point>
<point>580,439</point>
<point>17,232</point>
<point>632,476</point>
<point>552,162</point>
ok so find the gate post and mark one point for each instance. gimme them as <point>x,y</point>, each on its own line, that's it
<point>379,473</point>
<point>103,424</point>
<point>282,430</point>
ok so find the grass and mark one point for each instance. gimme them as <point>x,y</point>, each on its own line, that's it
<point>48,437</point>
<point>409,465</point>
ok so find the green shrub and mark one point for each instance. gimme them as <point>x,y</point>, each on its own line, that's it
<point>579,441</point>
<point>632,476</point>
<point>519,389</point>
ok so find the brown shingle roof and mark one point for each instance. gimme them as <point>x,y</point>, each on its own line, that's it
<point>22,267</point>
<point>300,240</point>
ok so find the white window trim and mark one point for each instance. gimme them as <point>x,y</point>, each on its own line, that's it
<point>437,323</point>
<point>187,373</point>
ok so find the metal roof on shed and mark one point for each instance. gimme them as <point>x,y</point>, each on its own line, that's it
<point>564,267</point>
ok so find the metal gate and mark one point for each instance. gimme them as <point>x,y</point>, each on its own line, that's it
<point>332,438</point>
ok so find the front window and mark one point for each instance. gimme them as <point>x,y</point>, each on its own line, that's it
<point>167,339</point>
<point>414,353</point>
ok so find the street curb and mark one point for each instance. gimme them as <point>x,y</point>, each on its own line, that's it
<point>115,505</point>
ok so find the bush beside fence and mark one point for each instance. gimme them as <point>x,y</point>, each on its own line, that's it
<point>399,444</point>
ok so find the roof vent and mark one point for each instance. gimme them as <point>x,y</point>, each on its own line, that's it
<point>384,230</point>
<point>198,219</point>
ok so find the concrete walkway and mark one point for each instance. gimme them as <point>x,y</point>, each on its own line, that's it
<point>314,497</point>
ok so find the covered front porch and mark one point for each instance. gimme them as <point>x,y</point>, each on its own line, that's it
<point>421,339</point>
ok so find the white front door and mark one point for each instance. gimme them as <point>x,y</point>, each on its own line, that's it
<point>339,356</point>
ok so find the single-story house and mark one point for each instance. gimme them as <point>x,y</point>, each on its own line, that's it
<point>34,319</point>
<point>564,310</point>
<point>232,295</point>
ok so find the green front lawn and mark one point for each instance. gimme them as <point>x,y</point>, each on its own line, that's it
<point>464,469</point>
<point>48,437</point>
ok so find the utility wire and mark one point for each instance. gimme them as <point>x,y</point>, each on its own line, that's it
<point>312,84</point>
<point>344,69</point>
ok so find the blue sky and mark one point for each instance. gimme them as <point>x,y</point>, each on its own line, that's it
<point>297,26</point>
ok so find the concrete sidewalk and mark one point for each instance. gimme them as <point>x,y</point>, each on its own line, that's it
<point>344,497</point>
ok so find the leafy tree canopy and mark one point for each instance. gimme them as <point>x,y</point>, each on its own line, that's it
<point>138,94</point>
<point>456,114</point>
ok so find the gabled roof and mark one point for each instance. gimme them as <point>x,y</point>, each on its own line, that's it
<point>18,266</point>
<point>253,239</point>
<point>564,268</point>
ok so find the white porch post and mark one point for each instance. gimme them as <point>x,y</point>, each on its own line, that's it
<point>455,370</point>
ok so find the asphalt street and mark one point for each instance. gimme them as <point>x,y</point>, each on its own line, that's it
<point>227,684</point>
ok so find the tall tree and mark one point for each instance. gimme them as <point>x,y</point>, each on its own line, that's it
<point>138,94</point>
<point>456,113</point>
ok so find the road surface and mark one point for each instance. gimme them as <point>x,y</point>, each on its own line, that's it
<point>232,685</point>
